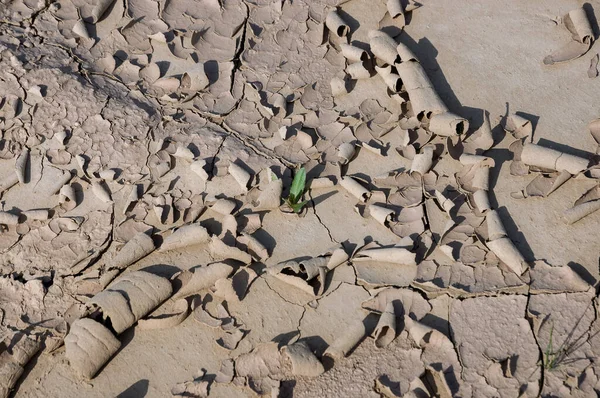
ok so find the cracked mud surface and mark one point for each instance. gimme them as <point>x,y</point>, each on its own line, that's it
<point>143,117</point>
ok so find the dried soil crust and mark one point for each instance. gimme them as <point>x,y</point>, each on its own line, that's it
<point>160,138</point>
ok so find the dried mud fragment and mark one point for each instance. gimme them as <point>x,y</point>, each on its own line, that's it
<point>21,166</point>
<point>170,314</point>
<point>546,278</point>
<point>482,139</point>
<point>196,388</point>
<point>338,86</point>
<point>240,175</point>
<point>188,235</point>
<point>263,361</point>
<point>593,70</point>
<point>203,278</point>
<point>89,345</point>
<point>594,128</point>
<point>17,352</point>
<point>226,372</point>
<point>405,301</point>
<point>578,24</point>
<point>135,249</point>
<point>551,159</point>
<point>231,339</point>
<point>518,126</point>
<point>221,251</point>
<point>301,360</point>
<point>489,330</point>
<point>336,24</point>
<point>543,185</point>
<point>347,340</point>
<point>587,204</point>
<point>270,196</point>
<point>422,161</point>
<point>385,331</point>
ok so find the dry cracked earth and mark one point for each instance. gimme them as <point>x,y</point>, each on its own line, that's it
<point>447,244</point>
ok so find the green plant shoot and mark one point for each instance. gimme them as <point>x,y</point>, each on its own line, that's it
<point>296,191</point>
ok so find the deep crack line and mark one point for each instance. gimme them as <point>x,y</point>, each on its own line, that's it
<point>314,208</point>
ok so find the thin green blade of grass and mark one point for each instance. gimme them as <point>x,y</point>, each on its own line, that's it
<point>298,184</point>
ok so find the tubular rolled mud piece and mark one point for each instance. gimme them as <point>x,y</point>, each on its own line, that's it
<point>423,161</point>
<point>381,214</point>
<point>424,99</point>
<point>355,188</point>
<point>254,246</point>
<point>301,359</point>
<point>398,255</point>
<point>346,151</point>
<point>405,53</point>
<point>170,314</point>
<point>240,175</point>
<point>349,338</point>
<point>353,53</point>
<point>137,248</point>
<point>8,182</point>
<point>338,86</point>
<point>144,291</point>
<point>518,126</point>
<point>7,218</point>
<point>188,235</point>
<point>100,8</point>
<point>385,331</point>
<point>115,309</point>
<point>416,330</point>
<point>551,159</point>
<point>446,204</point>
<point>21,165</point>
<point>439,383</point>
<point>395,8</point>
<point>20,349</point>
<point>61,182</point>
<point>89,345</point>
<point>580,211</point>
<point>448,124</point>
<point>494,225</point>
<point>358,71</point>
<point>577,22</point>
<point>203,278</point>
<point>383,70</point>
<point>393,82</point>
<point>482,200</point>
<point>221,251</point>
<point>384,47</point>
<point>101,191</point>
<point>336,24</point>
<point>194,80</point>
<point>507,252</point>
<point>37,214</point>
